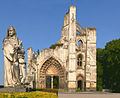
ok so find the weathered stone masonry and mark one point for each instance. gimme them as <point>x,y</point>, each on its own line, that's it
<point>72,63</point>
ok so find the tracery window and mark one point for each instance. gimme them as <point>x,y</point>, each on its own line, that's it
<point>79,60</point>
<point>80,44</point>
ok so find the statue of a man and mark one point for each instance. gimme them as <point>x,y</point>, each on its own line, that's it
<point>13,59</point>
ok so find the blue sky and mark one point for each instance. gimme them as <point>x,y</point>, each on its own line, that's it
<point>38,23</point>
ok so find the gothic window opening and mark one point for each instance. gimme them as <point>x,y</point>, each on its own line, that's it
<point>79,60</point>
<point>77,32</point>
<point>80,44</point>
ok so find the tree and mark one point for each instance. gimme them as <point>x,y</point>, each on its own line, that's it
<point>99,69</point>
<point>38,52</point>
<point>111,65</point>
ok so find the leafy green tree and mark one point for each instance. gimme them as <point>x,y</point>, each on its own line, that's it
<point>111,65</point>
<point>99,69</point>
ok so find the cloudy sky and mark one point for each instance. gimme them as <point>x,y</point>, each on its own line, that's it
<point>38,23</point>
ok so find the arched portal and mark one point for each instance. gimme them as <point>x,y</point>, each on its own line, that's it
<point>80,82</point>
<point>51,74</point>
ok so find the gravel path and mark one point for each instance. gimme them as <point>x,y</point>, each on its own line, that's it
<point>88,95</point>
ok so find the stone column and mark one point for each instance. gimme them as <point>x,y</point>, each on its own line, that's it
<point>71,49</point>
<point>29,58</point>
<point>52,82</point>
<point>91,59</point>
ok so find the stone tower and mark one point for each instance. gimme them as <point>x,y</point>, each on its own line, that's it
<point>72,48</point>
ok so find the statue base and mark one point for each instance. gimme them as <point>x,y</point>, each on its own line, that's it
<point>19,88</point>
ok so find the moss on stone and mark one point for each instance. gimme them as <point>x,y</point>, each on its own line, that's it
<point>55,45</point>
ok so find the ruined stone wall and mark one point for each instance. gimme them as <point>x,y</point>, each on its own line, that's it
<point>31,67</point>
<point>91,59</point>
<point>60,54</point>
<point>67,54</point>
<point>81,50</point>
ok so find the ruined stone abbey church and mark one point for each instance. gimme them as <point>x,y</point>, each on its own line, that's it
<point>70,64</point>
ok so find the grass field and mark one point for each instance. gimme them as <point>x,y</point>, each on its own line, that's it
<point>35,94</point>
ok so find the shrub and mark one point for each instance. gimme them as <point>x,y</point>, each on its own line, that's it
<point>36,94</point>
<point>78,90</point>
<point>99,88</point>
<point>46,90</point>
<point>55,45</point>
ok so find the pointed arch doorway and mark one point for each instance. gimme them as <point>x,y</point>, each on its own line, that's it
<point>80,82</point>
<point>52,77</point>
<point>51,74</point>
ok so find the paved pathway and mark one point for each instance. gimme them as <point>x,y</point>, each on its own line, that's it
<point>89,95</point>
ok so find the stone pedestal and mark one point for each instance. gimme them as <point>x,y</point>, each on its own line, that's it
<point>13,89</point>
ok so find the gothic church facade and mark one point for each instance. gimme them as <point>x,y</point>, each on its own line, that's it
<point>71,63</point>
